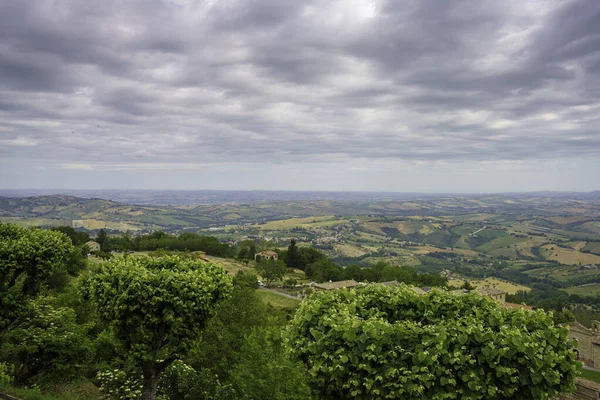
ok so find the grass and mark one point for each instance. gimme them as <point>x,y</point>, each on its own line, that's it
<point>591,375</point>
<point>350,250</point>
<point>561,272</point>
<point>504,241</point>
<point>277,300</point>
<point>103,224</point>
<point>510,288</point>
<point>568,256</point>
<point>231,266</point>
<point>431,249</point>
<point>591,289</point>
<point>308,222</point>
<point>35,221</point>
<point>593,247</point>
<point>85,392</point>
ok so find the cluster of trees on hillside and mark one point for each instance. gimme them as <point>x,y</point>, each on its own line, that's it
<point>320,268</point>
<point>180,328</point>
<point>186,241</point>
<point>131,328</point>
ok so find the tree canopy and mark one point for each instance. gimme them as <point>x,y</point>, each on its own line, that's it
<point>271,270</point>
<point>28,257</point>
<point>157,306</point>
<point>293,258</point>
<point>379,342</point>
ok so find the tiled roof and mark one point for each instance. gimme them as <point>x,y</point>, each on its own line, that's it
<point>336,285</point>
<point>492,291</point>
<point>268,253</point>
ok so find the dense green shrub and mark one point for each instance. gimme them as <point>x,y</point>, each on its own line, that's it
<point>380,342</point>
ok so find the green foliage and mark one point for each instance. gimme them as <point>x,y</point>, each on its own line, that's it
<point>309,255</point>
<point>542,295</point>
<point>104,241</point>
<point>484,236</point>
<point>383,272</point>
<point>467,285</point>
<point>246,250</point>
<point>324,270</point>
<point>36,394</point>
<point>182,382</point>
<point>104,255</point>
<point>222,340</point>
<point>156,306</point>
<point>28,257</point>
<point>77,238</point>
<point>293,258</point>
<point>117,384</point>
<point>564,316</point>
<point>277,377</point>
<point>187,241</point>
<point>245,279</point>
<point>271,270</point>
<point>7,371</point>
<point>47,345</point>
<point>380,342</point>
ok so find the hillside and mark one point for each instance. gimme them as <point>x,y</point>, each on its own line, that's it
<point>524,238</point>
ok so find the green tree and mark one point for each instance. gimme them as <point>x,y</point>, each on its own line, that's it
<point>245,279</point>
<point>48,346</point>
<point>28,258</point>
<point>293,258</point>
<point>467,285</point>
<point>157,307</point>
<point>277,378</point>
<point>324,270</point>
<point>247,250</point>
<point>78,238</point>
<point>309,255</point>
<point>220,346</point>
<point>390,343</point>
<point>271,270</point>
<point>101,237</point>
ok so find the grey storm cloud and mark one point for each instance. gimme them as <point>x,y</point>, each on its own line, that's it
<point>176,81</point>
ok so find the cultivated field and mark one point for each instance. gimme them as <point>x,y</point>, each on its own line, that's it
<point>510,288</point>
<point>591,289</point>
<point>308,222</point>
<point>351,250</point>
<point>568,256</point>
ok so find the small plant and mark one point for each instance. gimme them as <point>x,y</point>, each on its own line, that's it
<point>118,385</point>
<point>6,374</point>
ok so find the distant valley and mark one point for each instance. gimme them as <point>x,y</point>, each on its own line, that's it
<point>523,238</point>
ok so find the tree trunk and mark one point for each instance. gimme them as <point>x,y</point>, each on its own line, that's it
<point>150,381</point>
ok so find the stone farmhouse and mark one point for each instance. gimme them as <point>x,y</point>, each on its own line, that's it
<point>93,246</point>
<point>267,254</point>
<point>493,293</point>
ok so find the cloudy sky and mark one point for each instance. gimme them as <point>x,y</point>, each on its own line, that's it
<point>397,95</point>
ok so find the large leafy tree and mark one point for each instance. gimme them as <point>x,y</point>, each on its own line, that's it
<point>47,346</point>
<point>277,378</point>
<point>157,307</point>
<point>28,257</point>
<point>78,238</point>
<point>271,270</point>
<point>379,342</point>
<point>293,259</point>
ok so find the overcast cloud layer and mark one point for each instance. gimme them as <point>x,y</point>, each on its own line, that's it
<point>308,94</point>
